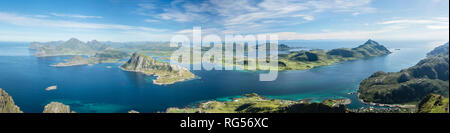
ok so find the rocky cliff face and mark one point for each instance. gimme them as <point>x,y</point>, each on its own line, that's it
<point>56,107</point>
<point>7,104</point>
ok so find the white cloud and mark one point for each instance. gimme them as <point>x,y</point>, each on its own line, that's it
<point>151,20</point>
<point>437,23</point>
<point>390,33</point>
<point>33,28</point>
<point>23,20</point>
<point>407,21</point>
<point>240,15</point>
<point>438,27</point>
<point>75,16</point>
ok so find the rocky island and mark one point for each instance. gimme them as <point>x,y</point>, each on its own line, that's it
<point>165,72</point>
<point>7,104</point>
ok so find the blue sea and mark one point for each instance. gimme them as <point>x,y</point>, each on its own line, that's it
<point>104,88</point>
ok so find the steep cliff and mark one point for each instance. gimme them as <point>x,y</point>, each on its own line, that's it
<point>7,104</point>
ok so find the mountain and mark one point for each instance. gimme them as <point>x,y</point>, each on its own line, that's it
<point>439,50</point>
<point>300,60</point>
<point>165,72</point>
<point>429,76</point>
<point>70,47</point>
<point>434,104</point>
<point>7,104</point>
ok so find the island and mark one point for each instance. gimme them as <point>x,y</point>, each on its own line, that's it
<point>7,104</point>
<point>409,86</point>
<point>166,73</point>
<point>253,103</point>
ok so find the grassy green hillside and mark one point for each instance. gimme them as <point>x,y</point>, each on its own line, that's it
<point>253,103</point>
<point>434,104</point>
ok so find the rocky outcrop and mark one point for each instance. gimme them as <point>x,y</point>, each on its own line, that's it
<point>133,112</point>
<point>56,107</point>
<point>166,73</point>
<point>7,104</point>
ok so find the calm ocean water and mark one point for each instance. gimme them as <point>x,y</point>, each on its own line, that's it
<point>97,88</point>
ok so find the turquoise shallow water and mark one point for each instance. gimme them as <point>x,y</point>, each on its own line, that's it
<point>100,89</point>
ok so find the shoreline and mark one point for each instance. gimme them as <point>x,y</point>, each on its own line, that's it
<point>407,106</point>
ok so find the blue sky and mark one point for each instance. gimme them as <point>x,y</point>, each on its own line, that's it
<point>151,20</point>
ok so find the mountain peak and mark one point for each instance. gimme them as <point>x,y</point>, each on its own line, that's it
<point>370,41</point>
<point>73,40</point>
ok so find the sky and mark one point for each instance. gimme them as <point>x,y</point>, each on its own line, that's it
<point>151,20</point>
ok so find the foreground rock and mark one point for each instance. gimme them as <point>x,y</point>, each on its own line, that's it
<point>165,72</point>
<point>56,107</point>
<point>7,103</point>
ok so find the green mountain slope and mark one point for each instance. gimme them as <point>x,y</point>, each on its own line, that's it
<point>434,104</point>
<point>301,60</point>
<point>429,76</point>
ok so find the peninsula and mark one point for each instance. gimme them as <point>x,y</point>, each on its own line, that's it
<point>308,59</point>
<point>301,60</point>
<point>166,73</point>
